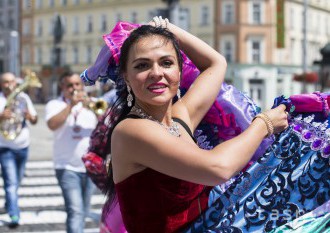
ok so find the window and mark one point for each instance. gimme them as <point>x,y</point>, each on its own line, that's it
<point>26,27</point>
<point>39,4</point>
<point>228,47</point>
<point>39,27</point>
<point>292,48</point>
<point>256,52</point>
<point>184,19</point>
<point>26,4</point>
<point>64,2</point>
<point>89,54</point>
<point>134,17</point>
<point>104,23</point>
<point>256,90</point>
<point>256,13</point>
<point>292,18</point>
<point>255,49</point>
<point>205,12</point>
<point>89,24</point>
<point>75,26</point>
<point>228,51</point>
<point>76,2</point>
<point>51,26</point>
<point>228,13</point>
<point>11,21</point>
<point>63,56</point>
<point>26,55</point>
<point>75,55</point>
<point>118,17</point>
<point>39,56</point>
<point>51,58</point>
<point>64,23</point>
<point>51,3</point>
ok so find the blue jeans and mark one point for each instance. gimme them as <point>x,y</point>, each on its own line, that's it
<point>12,167</point>
<point>77,189</point>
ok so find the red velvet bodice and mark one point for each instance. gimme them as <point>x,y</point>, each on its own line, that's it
<point>153,202</point>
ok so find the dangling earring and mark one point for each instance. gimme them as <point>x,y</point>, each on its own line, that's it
<point>129,97</point>
<point>178,92</point>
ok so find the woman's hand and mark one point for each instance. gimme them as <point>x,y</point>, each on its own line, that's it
<point>158,21</point>
<point>279,118</point>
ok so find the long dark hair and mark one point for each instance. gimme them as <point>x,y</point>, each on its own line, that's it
<point>119,110</point>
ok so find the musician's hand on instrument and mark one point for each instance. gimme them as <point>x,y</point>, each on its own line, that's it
<point>6,114</point>
<point>87,100</point>
<point>77,96</point>
<point>31,118</point>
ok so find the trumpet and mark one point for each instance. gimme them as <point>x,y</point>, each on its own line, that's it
<point>98,106</point>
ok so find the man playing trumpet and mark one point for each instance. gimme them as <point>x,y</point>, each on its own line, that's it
<point>72,123</point>
<point>14,146</point>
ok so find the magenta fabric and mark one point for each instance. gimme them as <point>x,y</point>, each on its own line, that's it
<point>315,102</point>
<point>116,38</point>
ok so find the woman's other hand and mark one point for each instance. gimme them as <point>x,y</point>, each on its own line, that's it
<point>279,118</point>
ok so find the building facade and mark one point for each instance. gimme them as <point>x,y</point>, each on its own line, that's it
<point>9,36</point>
<point>84,23</point>
<point>263,40</point>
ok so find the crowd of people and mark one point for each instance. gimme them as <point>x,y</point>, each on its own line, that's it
<point>159,177</point>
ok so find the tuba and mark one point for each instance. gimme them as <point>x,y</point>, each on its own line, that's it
<point>11,128</point>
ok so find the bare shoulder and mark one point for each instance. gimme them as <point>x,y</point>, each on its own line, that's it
<point>126,142</point>
<point>129,134</point>
<point>128,129</point>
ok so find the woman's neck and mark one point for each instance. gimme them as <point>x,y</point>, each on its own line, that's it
<point>161,113</point>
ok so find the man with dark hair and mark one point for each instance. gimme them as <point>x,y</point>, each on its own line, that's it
<point>14,140</point>
<point>72,123</point>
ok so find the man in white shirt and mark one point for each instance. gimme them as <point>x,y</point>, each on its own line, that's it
<point>72,123</point>
<point>14,141</point>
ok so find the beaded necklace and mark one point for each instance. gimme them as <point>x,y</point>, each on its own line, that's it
<point>172,129</point>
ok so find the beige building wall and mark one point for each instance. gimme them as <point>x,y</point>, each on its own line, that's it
<point>139,11</point>
<point>196,16</point>
<point>204,18</point>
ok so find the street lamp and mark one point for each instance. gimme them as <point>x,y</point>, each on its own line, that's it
<point>58,35</point>
<point>173,10</point>
<point>14,52</point>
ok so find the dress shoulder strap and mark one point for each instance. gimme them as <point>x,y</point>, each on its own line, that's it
<point>181,122</point>
<point>133,116</point>
<point>185,126</point>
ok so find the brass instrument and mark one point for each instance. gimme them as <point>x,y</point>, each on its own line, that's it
<point>98,106</point>
<point>11,128</point>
